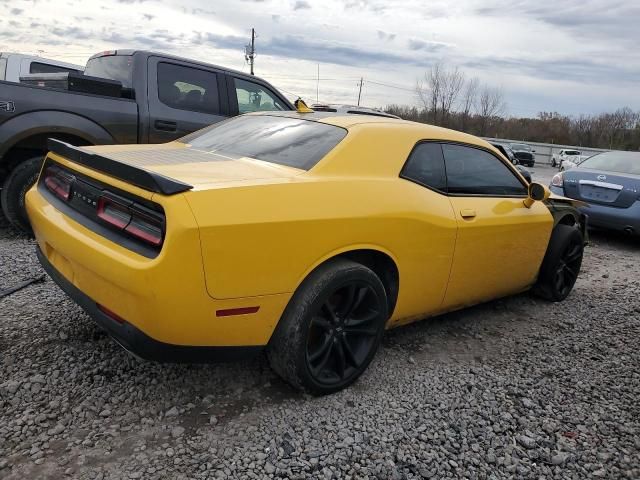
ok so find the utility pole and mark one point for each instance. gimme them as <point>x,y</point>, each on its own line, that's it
<point>250,50</point>
<point>318,86</point>
<point>360,90</point>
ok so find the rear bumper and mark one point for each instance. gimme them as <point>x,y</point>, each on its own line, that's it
<point>136,341</point>
<point>612,218</point>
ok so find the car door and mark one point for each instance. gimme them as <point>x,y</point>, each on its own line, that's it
<point>430,238</point>
<point>182,98</point>
<point>247,96</point>
<point>500,242</point>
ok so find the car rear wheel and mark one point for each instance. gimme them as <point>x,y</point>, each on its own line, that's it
<point>19,181</point>
<point>561,264</point>
<point>553,162</point>
<point>331,329</point>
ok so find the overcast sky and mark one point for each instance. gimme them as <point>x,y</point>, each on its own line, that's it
<point>570,56</point>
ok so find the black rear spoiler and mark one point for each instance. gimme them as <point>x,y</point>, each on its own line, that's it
<point>139,177</point>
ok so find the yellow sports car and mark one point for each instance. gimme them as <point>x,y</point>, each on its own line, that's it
<point>306,234</point>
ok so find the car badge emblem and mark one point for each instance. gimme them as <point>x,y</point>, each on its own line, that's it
<point>602,177</point>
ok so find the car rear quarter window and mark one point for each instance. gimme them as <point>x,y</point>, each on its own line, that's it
<point>425,166</point>
<point>112,67</point>
<point>187,88</point>
<point>283,140</point>
<point>472,171</point>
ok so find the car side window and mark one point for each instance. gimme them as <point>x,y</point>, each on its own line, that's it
<point>472,171</point>
<point>187,88</point>
<point>37,67</point>
<point>255,98</point>
<point>425,166</point>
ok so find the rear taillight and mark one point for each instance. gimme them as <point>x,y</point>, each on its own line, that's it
<point>58,183</point>
<point>138,221</point>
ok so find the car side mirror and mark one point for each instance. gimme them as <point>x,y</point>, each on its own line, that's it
<point>537,193</point>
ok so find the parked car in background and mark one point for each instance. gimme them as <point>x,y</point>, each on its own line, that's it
<point>572,162</point>
<point>610,183</point>
<point>305,234</point>
<point>125,96</point>
<point>563,155</point>
<point>506,151</point>
<point>523,153</point>
<point>15,65</point>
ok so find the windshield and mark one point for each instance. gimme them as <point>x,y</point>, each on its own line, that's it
<point>283,140</point>
<point>520,146</point>
<point>618,162</point>
<point>112,67</point>
<point>571,152</point>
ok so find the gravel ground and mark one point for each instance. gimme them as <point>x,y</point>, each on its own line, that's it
<point>517,388</point>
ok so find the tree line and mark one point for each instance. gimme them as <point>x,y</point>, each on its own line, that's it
<point>450,99</point>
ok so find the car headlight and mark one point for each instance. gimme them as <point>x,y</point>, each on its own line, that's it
<point>557,180</point>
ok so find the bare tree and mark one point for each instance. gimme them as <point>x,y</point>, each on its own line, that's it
<point>490,104</point>
<point>439,91</point>
<point>452,82</point>
<point>468,102</point>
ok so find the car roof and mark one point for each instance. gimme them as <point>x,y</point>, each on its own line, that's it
<point>349,120</point>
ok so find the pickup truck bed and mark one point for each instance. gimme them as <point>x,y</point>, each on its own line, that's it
<point>173,96</point>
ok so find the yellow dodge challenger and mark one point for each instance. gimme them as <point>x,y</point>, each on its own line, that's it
<point>305,234</point>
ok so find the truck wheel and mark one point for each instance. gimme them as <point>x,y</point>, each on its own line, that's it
<point>331,329</point>
<point>561,264</point>
<point>19,181</point>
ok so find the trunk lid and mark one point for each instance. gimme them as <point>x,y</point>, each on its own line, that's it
<point>603,188</point>
<point>198,168</point>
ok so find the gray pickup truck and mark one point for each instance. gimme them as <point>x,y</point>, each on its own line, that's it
<point>158,98</point>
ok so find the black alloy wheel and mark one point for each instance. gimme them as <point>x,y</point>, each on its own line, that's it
<point>561,263</point>
<point>568,269</point>
<point>331,328</point>
<point>342,333</point>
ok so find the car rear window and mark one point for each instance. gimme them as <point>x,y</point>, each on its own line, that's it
<point>283,140</point>
<point>112,67</point>
<point>617,162</point>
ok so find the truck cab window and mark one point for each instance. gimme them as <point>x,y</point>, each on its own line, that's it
<point>255,98</point>
<point>187,88</point>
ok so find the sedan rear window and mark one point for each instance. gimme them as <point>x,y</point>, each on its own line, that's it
<point>283,140</point>
<point>617,162</point>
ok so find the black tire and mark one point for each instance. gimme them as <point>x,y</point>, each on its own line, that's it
<point>561,264</point>
<point>19,181</point>
<point>553,162</point>
<point>331,329</point>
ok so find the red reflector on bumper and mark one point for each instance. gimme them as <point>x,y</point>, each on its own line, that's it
<point>236,311</point>
<point>110,314</point>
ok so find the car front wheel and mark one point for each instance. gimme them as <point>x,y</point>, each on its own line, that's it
<point>561,264</point>
<point>331,329</point>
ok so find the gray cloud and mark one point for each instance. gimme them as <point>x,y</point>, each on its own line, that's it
<point>416,44</point>
<point>388,37</point>
<point>16,11</point>
<point>301,5</point>
<point>291,46</point>
<point>148,16</point>
<point>72,33</point>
